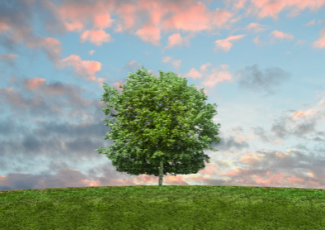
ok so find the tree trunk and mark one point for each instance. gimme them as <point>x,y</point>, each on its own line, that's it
<point>161,172</point>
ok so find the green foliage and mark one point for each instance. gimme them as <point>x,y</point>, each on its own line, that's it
<point>163,207</point>
<point>175,110</point>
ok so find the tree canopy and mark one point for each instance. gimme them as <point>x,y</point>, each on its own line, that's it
<point>157,119</point>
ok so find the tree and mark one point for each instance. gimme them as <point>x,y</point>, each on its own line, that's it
<point>162,144</point>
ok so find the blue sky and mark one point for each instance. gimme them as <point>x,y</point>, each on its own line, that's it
<point>261,62</point>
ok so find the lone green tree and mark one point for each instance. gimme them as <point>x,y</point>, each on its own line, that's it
<point>157,119</point>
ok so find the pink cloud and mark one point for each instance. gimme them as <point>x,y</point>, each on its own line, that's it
<point>240,4</point>
<point>176,39</point>
<point>127,14</point>
<point>242,139</point>
<point>166,59</point>
<point>252,158</point>
<point>265,8</point>
<point>225,44</point>
<point>194,74</point>
<point>148,19</point>
<point>187,15</point>
<point>79,14</point>
<point>191,18</point>
<point>34,83</point>
<point>310,23</point>
<point>21,33</point>
<point>255,27</point>
<point>212,79</point>
<point>281,35</point>
<point>96,37</point>
<point>103,21</point>
<point>82,67</point>
<point>257,41</point>
<point>217,76</point>
<point>3,27</point>
<point>300,42</point>
<point>320,43</point>
<point>53,48</point>
<point>149,34</point>
<point>220,17</point>
<point>175,63</point>
<point>304,114</point>
<point>205,66</point>
<point>7,56</point>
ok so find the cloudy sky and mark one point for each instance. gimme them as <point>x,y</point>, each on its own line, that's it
<point>261,62</point>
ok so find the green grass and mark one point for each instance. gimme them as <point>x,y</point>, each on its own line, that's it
<point>166,207</point>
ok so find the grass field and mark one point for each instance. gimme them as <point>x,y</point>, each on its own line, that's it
<point>166,207</point>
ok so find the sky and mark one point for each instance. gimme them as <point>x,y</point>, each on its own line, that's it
<point>260,61</point>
